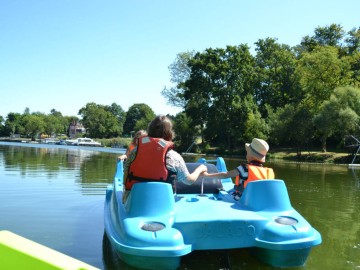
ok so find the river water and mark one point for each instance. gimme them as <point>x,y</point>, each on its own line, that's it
<point>54,195</point>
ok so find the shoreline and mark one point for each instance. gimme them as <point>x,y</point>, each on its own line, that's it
<point>288,154</point>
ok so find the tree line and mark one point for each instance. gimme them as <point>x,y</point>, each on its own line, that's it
<point>296,96</point>
<point>100,121</point>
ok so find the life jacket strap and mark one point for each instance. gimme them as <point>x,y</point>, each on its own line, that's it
<point>132,177</point>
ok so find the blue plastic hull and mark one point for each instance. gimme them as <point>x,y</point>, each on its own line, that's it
<point>155,228</point>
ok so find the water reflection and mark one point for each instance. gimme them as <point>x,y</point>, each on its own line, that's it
<point>44,195</point>
<point>50,162</point>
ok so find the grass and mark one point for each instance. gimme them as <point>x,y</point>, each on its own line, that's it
<point>334,156</point>
<point>312,156</point>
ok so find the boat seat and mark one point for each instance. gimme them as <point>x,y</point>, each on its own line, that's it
<point>211,185</point>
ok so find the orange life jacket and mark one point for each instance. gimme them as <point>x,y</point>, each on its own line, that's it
<point>149,163</point>
<point>131,147</point>
<point>256,173</point>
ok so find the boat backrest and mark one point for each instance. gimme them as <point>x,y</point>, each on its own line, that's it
<point>266,195</point>
<point>150,199</point>
<point>211,185</point>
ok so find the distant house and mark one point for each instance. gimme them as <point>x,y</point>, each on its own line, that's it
<point>76,130</point>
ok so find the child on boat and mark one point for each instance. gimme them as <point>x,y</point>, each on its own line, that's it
<point>133,143</point>
<point>252,171</point>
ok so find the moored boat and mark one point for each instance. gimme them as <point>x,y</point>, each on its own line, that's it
<point>156,227</point>
<point>83,142</point>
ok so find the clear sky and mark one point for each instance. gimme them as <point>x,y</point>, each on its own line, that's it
<point>62,54</point>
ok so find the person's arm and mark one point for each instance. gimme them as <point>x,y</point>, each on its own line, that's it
<point>175,163</point>
<point>201,169</point>
<point>222,175</point>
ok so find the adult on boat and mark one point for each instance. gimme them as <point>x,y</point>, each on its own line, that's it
<point>154,158</point>
<point>252,171</point>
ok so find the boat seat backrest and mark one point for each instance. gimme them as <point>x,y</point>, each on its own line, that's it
<point>211,185</point>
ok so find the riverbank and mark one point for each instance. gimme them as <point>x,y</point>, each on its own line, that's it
<point>313,156</point>
<point>288,154</point>
<point>342,156</point>
<point>112,143</point>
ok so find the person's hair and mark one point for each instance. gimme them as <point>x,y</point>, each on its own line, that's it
<point>161,127</point>
<point>137,135</point>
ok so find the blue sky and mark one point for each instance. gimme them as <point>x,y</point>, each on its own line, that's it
<point>62,54</point>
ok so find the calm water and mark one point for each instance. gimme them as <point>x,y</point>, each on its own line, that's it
<point>54,195</point>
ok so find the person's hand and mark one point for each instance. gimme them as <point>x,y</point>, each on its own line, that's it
<point>122,157</point>
<point>205,174</point>
<point>202,168</point>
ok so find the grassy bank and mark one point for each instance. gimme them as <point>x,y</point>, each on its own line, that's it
<point>313,156</point>
<point>343,156</point>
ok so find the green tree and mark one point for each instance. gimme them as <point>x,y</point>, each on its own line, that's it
<point>291,125</point>
<point>353,41</point>
<point>255,126</point>
<point>320,72</point>
<point>220,80</point>
<point>2,126</point>
<point>331,35</point>
<point>119,113</point>
<point>354,62</point>
<point>33,125</point>
<point>138,117</point>
<point>56,113</point>
<point>13,124</point>
<point>99,121</point>
<point>340,114</point>
<point>179,73</point>
<point>277,83</point>
<point>53,125</point>
<point>185,131</point>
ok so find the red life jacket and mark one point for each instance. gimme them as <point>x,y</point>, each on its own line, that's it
<point>149,163</point>
<point>256,173</point>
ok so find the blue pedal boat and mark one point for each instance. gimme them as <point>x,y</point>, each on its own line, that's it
<point>156,226</point>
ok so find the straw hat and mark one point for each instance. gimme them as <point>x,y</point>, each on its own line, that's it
<point>257,149</point>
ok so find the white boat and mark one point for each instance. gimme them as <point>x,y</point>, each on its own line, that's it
<point>71,141</point>
<point>49,141</point>
<point>85,142</point>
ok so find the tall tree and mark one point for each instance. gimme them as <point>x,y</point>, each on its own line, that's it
<point>331,35</point>
<point>33,125</point>
<point>119,113</point>
<point>292,125</point>
<point>138,117</point>
<point>320,72</point>
<point>179,73</point>
<point>354,61</point>
<point>220,80</point>
<point>277,83</point>
<point>340,114</point>
<point>2,126</point>
<point>353,41</point>
<point>54,124</point>
<point>185,132</point>
<point>13,124</point>
<point>99,122</point>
